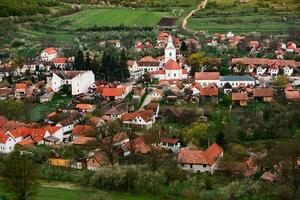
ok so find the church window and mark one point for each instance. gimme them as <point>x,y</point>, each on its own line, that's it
<point>170,54</point>
<point>174,75</point>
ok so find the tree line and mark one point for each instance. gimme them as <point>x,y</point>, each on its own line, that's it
<point>112,67</point>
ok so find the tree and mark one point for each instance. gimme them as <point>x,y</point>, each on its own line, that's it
<point>220,138</point>
<point>280,81</point>
<point>197,134</point>
<point>87,63</point>
<point>79,60</point>
<point>183,48</point>
<point>124,66</point>
<point>285,159</point>
<point>21,174</point>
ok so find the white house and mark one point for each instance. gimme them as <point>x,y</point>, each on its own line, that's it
<point>48,54</point>
<point>288,70</point>
<point>157,95</point>
<point>141,118</point>
<point>273,70</point>
<point>169,143</point>
<point>80,81</point>
<point>7,143</point>
<point>207,78</point>
<point>200,161</point>
<point>261,70</point>
<point>236,81</point>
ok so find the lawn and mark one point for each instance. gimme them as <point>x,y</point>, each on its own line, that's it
<point>259,16</point>
<point>60,36</point>
<point>55,193</point>
<point>39,111</point>
<point>113,17</point>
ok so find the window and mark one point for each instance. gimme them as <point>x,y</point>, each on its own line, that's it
<point>204,166</point>
<point>174,75</point>
<point>191,165</point>
<point>170,54</point>
<point>182,164</point>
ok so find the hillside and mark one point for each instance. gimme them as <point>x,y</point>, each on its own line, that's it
<point>247,16</point>
<point>25,7</point>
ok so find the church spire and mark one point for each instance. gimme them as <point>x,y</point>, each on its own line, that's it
<point>170,44</point>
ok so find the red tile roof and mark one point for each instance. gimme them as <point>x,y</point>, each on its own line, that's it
<point>21,86</point>
<point>3,138</point>
<point>50,50</point>
<point>112,92</point>
<point>292,95</point>
<point>263,92</point>
<point>82,129</point>
<point>60,60</point>
<point>3,121</point>
<point>144,114</point>
<point>209,91</point>
<point>207,75</point>
<point>147,59</point>
<point>207,157</point>
<point>264,61</point>
<point>83,106</point>
<point>158,91</point>
<point>169,140</point>
<point>239,96</point>
<point>172,65</point>
<point>52,129</point>
<point>83,140</point>
<point>26,142</point>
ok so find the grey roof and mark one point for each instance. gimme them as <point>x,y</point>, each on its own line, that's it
<point>51,138</point>
<point>117,110</point>
<point>236,78</point>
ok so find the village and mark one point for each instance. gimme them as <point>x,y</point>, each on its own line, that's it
<point>173,107</point>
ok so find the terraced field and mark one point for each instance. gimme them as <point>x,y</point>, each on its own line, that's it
<point>113,17</point>
<point>254,15</point>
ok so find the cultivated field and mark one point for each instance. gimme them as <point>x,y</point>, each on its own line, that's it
<point>113,17</point>
<point>254,15</point>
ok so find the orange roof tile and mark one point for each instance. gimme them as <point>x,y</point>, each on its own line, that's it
<point>83,140</point>
<point>207,75</point>
<point>50,50</point>
<point>263,92</point>
<point>60,60</point>
<point>292,95</point>
<point>83,106</point>
<point>239,96</point>
<point>112,92</point>
<point>147,59</point>
<point>209,91</point>
<point>52,129</point>
<point>26,142</point>
<point>3,138</point>
<point>82,129</point>
<point>21,86</point>
<point>172,65</point>
<point>144,114</point>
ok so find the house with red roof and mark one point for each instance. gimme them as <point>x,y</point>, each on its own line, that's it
<point>264,94</point>
<point>20,90</point>
<point>61,62</point>
<point>291,94</point>
<point>113,93</point>
<point>96,160</point>
<point>140,118</point>
<point>240,98</point>
<point>7,142</point>
<point>168,143</point>
<point>48,54</point>
<point>200,161</point>
<point>82,130</point>
<point>85,107</point>
<point>207,78</point>
<point>157,95</point>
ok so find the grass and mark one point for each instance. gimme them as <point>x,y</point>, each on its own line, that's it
<point>113,17</point>
<point>41,110</point>
<point>61,36</point>
<point>260,16</point>
<point>56,193</point>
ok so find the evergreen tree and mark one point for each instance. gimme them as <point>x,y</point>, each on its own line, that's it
<point>183,48</point>
<point>104,64</point>
<point>79,60</point>
<point>220,139</point>
<point>124,67</point>
<point>87,64</point>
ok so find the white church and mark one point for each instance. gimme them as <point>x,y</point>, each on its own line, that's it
<point>164,69</point>
<point>170,69</point>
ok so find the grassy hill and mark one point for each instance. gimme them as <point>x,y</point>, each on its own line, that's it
<point>254,15</point>
<point>113,17</point>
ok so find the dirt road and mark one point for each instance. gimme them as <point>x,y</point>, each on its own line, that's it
<point>200,7</point>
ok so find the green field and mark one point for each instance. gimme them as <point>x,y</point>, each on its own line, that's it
<point>39,111</point>
<point>62,36</point>
<point>113,17</point>
<point>260,16</point>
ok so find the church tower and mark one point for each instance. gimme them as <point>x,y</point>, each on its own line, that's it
<point>170,50</point>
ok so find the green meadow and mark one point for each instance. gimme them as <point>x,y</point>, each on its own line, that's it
<point>113,17</point>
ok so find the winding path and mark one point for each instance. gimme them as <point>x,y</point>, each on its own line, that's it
<point>201,6</point>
